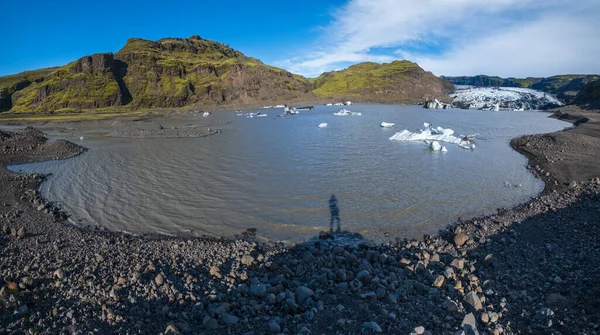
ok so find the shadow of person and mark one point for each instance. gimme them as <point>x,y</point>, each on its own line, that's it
<point>335,214</point>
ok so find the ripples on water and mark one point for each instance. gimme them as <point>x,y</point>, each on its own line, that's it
<point>276,174</point>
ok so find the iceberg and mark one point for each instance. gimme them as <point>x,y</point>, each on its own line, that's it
<point>345,112</point>
<point>387,124</point>
<point>432,136</point>
<point>322,125</point>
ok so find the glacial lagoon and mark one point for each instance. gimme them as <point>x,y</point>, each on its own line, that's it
<point>276,174</point>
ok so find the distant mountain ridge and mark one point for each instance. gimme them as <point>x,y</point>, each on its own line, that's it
<point>395,82</point>
<point>178,72</point>
<point>589,96</point>
<point>564,87</point>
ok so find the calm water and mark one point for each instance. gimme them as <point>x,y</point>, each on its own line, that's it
<point>276,174</point>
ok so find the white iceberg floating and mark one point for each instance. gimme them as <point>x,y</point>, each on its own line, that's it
<point>387,124</point>
<point>431,136</point>
<point>322,125</point>
<point>81,138</point>
<point>257,114</point>
<point>345,112</point>
<point>444,149</point>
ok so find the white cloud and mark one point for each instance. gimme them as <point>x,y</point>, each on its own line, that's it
<point>463,37</point>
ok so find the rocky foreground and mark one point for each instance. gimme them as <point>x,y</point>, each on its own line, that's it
<point>534,268</point>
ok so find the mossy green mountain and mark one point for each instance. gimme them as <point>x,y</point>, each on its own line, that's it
<point>13,83</point>
<point>589,96</point>
<point>177,72</point>
<point>564,87</point>
<point>395,82</point>
<point>170,72</point>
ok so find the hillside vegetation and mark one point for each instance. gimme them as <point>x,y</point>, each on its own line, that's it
<point>396,82</point>
<point>564,87</point>
<point>589,96</point>
<point>11,84</point>
<point>170,72</point>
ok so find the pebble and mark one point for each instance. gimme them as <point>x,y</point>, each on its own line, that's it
<point>229,319</point>
<point>259,290</point>
<point>210,323</point>
<point>372,325</point>
<point>303,293</point>
<point>460,239</point>
<point>274,327</point>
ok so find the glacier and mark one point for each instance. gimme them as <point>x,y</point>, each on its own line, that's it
<point>513,98</point>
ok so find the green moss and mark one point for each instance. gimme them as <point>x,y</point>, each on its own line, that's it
<point>360,77</point>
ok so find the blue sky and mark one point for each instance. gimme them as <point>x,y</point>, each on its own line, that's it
<point>448,37</point>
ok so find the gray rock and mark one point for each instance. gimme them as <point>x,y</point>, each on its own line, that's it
<point>229,319</point>
<point>460,239</point>
<point>210,323</point>
<point>271,299</point>
<point>247,260</point>
<point>469,325</point>
<point>439,281</point>
<point>21,311</point>
<point>274,327</point>
<point>259,290</point>
<point>215,271</point>
<point>59,274</point>
<point>307,256</point>
<point>172,330</point>
<point>473,300</point>
<point>555,299</point>
<point>21,233</point>
<point>372,325</point>
<point>302,293</point>
<point>544,313</point>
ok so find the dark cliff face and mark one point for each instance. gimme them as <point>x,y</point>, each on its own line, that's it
<point>589,96</point>
<point>13,83</point>
<point>171,72</point>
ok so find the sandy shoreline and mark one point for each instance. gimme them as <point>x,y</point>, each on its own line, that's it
<point>533,268</point>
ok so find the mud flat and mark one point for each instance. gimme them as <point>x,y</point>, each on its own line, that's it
<point>533,268</point>
<point>166,132</point>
